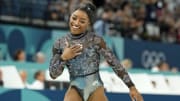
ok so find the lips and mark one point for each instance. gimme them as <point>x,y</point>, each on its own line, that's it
<point>75,27</point>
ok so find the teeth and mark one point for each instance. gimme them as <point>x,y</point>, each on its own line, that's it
<point>75,27</point>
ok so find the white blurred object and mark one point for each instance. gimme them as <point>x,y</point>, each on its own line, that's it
<point>118,84</point>
<point>174,82</point>
<point>37,85</point>
<point>160,84</point>
<point>142,82</point>
<point>153,30</point>
<point>105,77</point>
<point>155,69</point>
<point>11,77</point>
<point>63,77</point>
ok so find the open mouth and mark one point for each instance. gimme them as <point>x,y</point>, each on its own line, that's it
<point>75,27</point>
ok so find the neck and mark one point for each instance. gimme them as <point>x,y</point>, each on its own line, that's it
<point>77,36</point>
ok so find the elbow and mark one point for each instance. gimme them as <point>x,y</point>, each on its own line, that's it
<point>52,73</point>
<point>55,70</point>
<point>52,77</point>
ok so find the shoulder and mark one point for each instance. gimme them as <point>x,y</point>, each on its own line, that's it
<point>99,40</point>
<point>60,42</point>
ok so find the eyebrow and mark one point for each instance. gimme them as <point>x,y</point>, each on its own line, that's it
<point>80,17</point>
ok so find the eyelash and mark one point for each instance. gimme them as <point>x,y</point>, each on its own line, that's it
<point>82,22</point>
<point>74,18</point>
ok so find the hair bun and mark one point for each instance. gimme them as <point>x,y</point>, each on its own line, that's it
<point>88,5</point>
<point>91,6</point>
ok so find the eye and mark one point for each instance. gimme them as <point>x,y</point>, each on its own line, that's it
<point>83,22</point>
<point>74,18</point>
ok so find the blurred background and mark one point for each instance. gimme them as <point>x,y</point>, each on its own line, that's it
<point>143,34</point>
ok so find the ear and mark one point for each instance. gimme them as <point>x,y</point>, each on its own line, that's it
<point>89,28</point>
<point>89,24</point>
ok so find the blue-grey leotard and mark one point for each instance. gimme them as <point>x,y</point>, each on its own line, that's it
<point>84,68</point>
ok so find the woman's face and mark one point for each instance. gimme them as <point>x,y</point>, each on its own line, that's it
<point>79,22</point>
<point>22,56</point>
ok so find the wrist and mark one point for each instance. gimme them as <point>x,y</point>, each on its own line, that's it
<point>130,84</point>
<point>62,58</point>
<point>132,88</point>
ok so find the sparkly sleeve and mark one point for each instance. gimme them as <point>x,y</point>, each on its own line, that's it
<point>56,66</point>
<point>115,63</point>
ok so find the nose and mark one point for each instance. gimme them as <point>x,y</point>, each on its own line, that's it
<point>76,22</point>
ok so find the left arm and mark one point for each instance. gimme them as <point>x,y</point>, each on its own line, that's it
<point>115,64</point>
<point>119,70</point>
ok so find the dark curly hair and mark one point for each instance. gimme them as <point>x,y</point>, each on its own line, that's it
<point>89,8</point>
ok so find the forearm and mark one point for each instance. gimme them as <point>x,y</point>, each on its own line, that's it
<point>122,73</point>
<point>56,66</point>
<point>117,67</point>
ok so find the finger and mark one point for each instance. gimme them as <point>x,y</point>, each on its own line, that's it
<point>77,49</point>
<point>67,43</point>
<point>79,53</point>
<point>76,46</point>
<point>133,98</point>
<point>140,98</point>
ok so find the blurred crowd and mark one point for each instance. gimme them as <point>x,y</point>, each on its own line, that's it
<point>20,56</point>
<point>156,20</point>
<point>161,66</point>
<point>39,80</point>
<point>37,84</point>
<point>40,58</point>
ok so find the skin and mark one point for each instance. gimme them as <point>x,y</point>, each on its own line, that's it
<point>79,23</point>
<point>23,76</point>
<point>21,56</point>
<point>72,95</point>
<point>1,74</point>
<point>41,77</point>
<point>40,57</point>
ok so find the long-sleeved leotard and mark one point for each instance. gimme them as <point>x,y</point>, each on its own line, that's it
<point>83,69</point>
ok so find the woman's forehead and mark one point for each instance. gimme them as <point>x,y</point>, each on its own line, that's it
<point>80,13</point>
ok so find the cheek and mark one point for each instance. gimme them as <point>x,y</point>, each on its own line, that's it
<point>70,21</point>
<point>85,26</point>
<point>22,56</point>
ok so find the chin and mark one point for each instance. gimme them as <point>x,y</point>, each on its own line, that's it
<point>75,32</point>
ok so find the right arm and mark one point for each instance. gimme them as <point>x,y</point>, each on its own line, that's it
<point>60,56</point>
<point>56,63</point>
